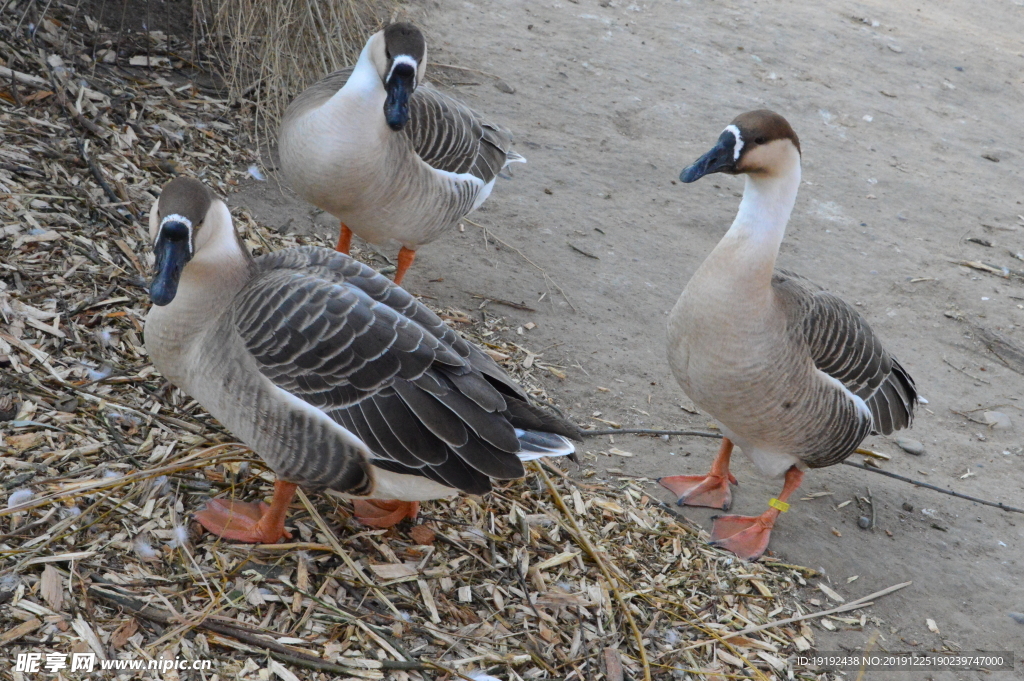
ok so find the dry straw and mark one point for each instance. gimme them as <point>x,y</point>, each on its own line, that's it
<point>271,51</point>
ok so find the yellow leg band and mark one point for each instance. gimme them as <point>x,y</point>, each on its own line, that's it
<point>779,505</point>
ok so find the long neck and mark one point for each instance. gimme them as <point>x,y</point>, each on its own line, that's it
<point>752,243</point>
<point>221,265</point>
<point>364,88</point>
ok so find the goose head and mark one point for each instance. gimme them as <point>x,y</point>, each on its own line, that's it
<point>757,143</point>
<point>399,53</point>
<point>179,225</point>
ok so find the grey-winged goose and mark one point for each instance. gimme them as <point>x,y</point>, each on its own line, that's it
<point>336,377</point>
<point>793,374</point>
<point>389,156</point>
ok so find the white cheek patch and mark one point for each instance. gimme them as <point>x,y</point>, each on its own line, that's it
<point>174,217</point>
<point>403,59</point>
<point>738,148</point>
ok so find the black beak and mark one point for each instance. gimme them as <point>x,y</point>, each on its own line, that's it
<point>721,159</point>
<point>173,250</point>
<point>400,86</point>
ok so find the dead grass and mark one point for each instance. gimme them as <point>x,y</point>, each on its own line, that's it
<point>270,51</point>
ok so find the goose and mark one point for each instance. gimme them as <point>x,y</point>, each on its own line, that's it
<point>385,153</point>
<point>336,377</point>
<point>792,373</point>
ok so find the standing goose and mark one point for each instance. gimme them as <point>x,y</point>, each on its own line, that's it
<point>336,377</point>
<point>389,156</point>
<point>793,374</point>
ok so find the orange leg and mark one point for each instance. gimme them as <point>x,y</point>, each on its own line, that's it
<point>711,490</point>
<point>747,536</point>
<point>405,258</point>
<point>384,512</point>
<point>344,240</point>
<point>252,523</point>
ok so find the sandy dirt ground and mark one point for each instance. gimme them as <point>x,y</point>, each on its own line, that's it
<point>909,115</point>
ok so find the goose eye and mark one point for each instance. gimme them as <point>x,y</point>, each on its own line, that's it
<point>761,140</point>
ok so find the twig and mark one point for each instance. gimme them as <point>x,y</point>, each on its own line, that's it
<point>581,251</point>
<point>852,605</point>
<point>585,544</point>
<point>15,92</point>
<point>244,634</point>
<point>540,269</point>
<point>500,301</point>
<point>204,457</point>
<point>649,431</point>
<point>871,502</point>
<point>310,663</point>
<point>1003,272</point>
<point>995,504</point>
<point>965,372</point>
<point>114,198</point>
<point>24,78</point>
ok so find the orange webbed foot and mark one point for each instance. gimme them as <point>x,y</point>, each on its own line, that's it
<point>242,521</point>
<point>384,513</point>
<point>252,523</point>
<point>711,490</point>
<point>746,536</point>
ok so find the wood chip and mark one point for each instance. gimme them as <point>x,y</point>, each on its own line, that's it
<point>26,627</point>
<point>51,588</point>
<point>828,591</point>
<point>555,561</point>
<point>612,664</point>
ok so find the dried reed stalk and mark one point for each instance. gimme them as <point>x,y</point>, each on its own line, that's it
<point>271,51</point>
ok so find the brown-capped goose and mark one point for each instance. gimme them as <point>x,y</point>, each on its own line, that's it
<point>336,377</point>
<point>389,156</point>
<point>793,374</point>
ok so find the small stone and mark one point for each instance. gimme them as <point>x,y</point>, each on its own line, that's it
<point>863,522</point>
<point>502,86</point>
<point>1017,617</point>
<point>910,446</point>
<point>908,507</point>
<point>997,420</point>
<point>990,157</point>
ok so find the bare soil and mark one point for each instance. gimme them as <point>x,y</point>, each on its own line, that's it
<point>909,115</point>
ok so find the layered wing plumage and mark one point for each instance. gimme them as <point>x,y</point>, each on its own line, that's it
<point>450,136</point>
<point>333,333</point>
<point>843,346</point>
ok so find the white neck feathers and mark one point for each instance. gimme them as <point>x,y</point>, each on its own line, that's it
<point>366,79</point>
<point>219,267</point>
<point>760,223</point>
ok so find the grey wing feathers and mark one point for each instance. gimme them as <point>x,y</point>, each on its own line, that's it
<point>843,346</point>
<point>892,405</point>
<point>450,136</point>
<point>337,335</point>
